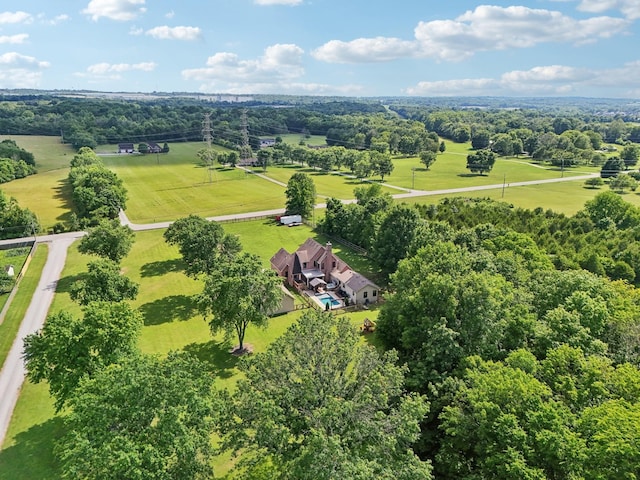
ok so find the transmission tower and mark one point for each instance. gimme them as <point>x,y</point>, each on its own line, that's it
<point>245,148</point>
<point>208,137</point>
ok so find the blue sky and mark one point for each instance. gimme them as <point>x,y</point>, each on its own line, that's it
<point>324,47</point>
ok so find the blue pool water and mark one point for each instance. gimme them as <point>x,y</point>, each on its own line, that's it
<point>326,298</point>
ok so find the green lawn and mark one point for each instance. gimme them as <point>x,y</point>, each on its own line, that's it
<point>15,314</point>
<point>564,197</point>
<point>167,187</point>
<point>45,193</point>
<point>294,139</point>
<point>172,322</point>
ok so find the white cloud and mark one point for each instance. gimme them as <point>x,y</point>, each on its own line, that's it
<point>108,68</point>
<point>629,8</point>
<point>13,39</point>
<point>278,2</point>
<point>170,14</point>
<point>121,10</point>
<point>175,33</point>
<point>136,31</point>
<point>59,19</point>
<point>363,50</point>
<point>20,71</point>
<point>15,17</point>
<point>541,80</point>
<point>279,62</point>
<point>484,29</point>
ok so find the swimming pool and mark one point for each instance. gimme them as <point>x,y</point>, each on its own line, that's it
<point>325,298</point>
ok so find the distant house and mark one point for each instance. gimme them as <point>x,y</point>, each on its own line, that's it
<point>267,142</point>
<point>125,148</point>
<point>315,266</point>
<point>154,147</point>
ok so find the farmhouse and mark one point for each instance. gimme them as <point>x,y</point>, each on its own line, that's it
<point>315,267</point>
<point>154,147</point>
<point>267,142</point>
<point>125,148</point>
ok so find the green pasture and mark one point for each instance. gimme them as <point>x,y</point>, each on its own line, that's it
<point>45,193</point>
<point>166,187</point>
<point>28,284</point>
<point>564,197</point>
<point>171,322</point>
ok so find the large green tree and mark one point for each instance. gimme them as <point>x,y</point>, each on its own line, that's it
<point>109,240</point>
<point>320,404</point>
<point>301,195</point>
<point>68,349</point>
<point>239,293</point>
<point>481,162</point>
<point>104,282</point>
<point>394,237</point>
<point>142,418</point>
<point>202,244</point>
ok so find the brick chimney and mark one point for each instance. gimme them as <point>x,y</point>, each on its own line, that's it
<point>328,262</point>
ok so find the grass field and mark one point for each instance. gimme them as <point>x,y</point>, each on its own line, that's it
<point>171,322</point>
<point>46,193</point>
<point>295,138</point>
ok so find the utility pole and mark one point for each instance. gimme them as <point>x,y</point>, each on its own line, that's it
<point>413,178</point>
<point>208,137</point>
<point>504,182</point>
<point>245,148</point>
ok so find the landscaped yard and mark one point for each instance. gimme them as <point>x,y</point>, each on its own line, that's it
<point>172,322</point>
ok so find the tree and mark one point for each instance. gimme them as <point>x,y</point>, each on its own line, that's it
<point>143,418</point>
<point>165,148</point>
<point>202,244</point>
<point>612,167</point>
<point>595,182</point>
<point>109,240</point>
<point>208,156</point>
<point>630,155</point>
<point>103,283</point>
<point>481,161</point>
<point>319,404</point>
<point>85,157</point>
<point>264,158</point>
<point>15,222</point>
<point>363,168</point>
<point>68,349</point>
<point>442,147</point>
<point>609,210</point>
<point>143,148</point>
<point>301,195</point>
<point>427,158</point>
<point>382,163</point>
<point>238,294</point>
<point>480,139</point>
<point>395,235</point>
<point>621,182</point>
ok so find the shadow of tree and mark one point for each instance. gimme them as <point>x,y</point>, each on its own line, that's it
<point>161,267</point>
<point>169,309</point>
<point>63,194</point>
<point>32,455</point>
<point>216,355</point>
<point>471,175</point>
<point>64,284</point>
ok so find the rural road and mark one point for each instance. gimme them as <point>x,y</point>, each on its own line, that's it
<point>12,374</point>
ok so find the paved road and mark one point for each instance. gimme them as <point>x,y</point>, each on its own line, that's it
<point>12,374</point>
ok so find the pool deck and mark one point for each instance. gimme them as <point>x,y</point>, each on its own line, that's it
<point>314,296</point>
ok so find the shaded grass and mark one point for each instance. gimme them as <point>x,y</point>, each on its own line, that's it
<point>21,301</point>
<point>294,139</point>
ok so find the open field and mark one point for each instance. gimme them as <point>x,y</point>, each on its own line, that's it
<point>171,322</point>
<point>46,193</point>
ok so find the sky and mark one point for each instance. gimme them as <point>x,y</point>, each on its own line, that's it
<point>363,48</point>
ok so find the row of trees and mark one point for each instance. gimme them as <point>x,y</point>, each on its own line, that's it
<point>98,193</point>
<point>15,221</point>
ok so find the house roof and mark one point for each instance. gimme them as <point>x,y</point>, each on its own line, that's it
<point>280,260</point>
<point>354,280</point>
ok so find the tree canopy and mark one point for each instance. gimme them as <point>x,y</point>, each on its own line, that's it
<point>202,244</point>
<point>142,418</point>
<point>108,239</point>
<point>103,283</point>
<point>68,349</point>
<point>301,195</point>
<point>318,404</point>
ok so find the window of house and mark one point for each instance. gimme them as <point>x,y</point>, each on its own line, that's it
<point>304,265</point>
<point>375,293</point>
<point>334,264</point>
<point>366,294</point>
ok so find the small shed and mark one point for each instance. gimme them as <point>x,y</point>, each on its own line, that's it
<point>10,270</point>
<point>125,148</point>
<point>287,303</point>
